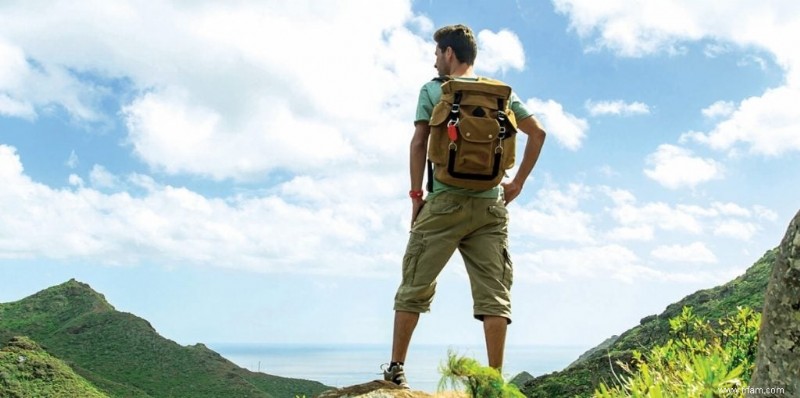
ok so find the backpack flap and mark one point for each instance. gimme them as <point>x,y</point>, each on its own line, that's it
<point>477,145</point>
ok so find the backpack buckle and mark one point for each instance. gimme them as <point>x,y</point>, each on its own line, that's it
<point>502,134</point>
<point>456,108</point>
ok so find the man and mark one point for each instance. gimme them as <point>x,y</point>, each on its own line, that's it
<point>450,218</point>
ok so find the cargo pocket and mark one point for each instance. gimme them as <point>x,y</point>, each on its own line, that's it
<point>508,269</point>
<point>500,213</point>
<point>411,258</point>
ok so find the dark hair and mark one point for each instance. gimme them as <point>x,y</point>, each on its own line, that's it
<point>460,39</point>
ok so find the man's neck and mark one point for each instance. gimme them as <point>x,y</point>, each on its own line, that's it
<point>463,70</point>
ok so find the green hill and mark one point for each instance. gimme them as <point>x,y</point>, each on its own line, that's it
<point>27,371</point>
<point>123,356</point>
<point>585,374</point>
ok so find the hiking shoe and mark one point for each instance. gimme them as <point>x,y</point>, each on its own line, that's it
<point>395,374</point>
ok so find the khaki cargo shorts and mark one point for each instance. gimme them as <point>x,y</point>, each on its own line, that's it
<point>478,228</point>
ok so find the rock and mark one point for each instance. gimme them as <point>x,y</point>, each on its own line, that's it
<point>778,356</point>
<point>384,389</point>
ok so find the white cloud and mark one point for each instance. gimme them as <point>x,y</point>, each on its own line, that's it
<point>765,213</point>
<point>25,87</point>
<point>99,177</point>
<point>731,209</point>
<point>696,252</point>
<point>231,90</point>
<point>736,229</point>
<point>614,261</point>
<point>555,215</point>
<point>719,109</point>
<point>499,52</point>
<point>640,222</point>
<point>12,107</point>
<point>638,233</point>
<point>607,171</point>
<point>75,180</point>
<point>675,167</point>
<point>658,214</point>
<point>72,161</point>
<point>767,124</point>
<point>174,225</point>
<point>618,107</point>
<point>568,129</point>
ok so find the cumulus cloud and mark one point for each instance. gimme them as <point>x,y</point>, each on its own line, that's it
<point>719,109</point>
<point>615,261</point>
<point>696,252</point>
<point>617,107</point>
<point>736,229</point>
<point>640,221</point>
<point>499,52</point>
<point>25,87</point>
<point>72,160</point>
<point>555,215</point>
<point>766,124</point>
<point>675,167</point>
<point>101,178</point>
<point>568,129</point>
<point>637,233</point>
<point>220,91</point>
<point>174,225</point>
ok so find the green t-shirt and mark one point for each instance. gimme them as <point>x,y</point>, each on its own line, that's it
<point>429,96</point>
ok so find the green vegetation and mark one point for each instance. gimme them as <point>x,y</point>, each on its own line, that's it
<point>479,381</point>
<point>123,356</point>
<point>702,360</point>
<point>27,371</point>
<point>583,377</point>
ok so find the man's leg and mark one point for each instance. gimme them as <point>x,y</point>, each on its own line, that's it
<point>404,324</point>
<point>494,329</point>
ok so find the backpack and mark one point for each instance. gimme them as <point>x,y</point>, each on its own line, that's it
<point>472,134</point>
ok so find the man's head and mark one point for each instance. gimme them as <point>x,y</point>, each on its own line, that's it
<point>454,44</point>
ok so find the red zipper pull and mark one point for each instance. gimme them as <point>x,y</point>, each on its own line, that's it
<point>452,132</point>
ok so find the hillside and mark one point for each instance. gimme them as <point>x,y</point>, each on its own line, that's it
<point>26,370</point>
<point>582,376</point>
<point>122,355</point>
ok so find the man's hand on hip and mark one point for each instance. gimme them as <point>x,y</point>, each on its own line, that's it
<point>511,190</point>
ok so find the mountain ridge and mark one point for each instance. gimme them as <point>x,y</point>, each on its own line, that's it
<point>594,366</point>
<point>123,355</point>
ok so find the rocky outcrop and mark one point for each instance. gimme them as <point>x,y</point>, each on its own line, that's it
<point>384,389</point>
<point>778,358</point>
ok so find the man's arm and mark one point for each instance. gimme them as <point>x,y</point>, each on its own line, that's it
<point>530,156</point>
<point>418,156</point>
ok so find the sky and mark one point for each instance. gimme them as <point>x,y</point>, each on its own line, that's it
<point>237,172</point>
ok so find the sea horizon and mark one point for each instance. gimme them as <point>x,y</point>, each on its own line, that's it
<point>339,365</point>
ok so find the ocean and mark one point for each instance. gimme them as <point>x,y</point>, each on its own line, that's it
<point>344,365</point>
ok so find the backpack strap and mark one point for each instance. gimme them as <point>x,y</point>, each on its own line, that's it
<point>440,79</point>
<point>429,185</point>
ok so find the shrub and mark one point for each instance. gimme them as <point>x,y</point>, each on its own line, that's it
<point>479,381</point>
<point>699,361</point>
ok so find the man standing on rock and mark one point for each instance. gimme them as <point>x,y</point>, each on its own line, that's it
<point>474,221</point>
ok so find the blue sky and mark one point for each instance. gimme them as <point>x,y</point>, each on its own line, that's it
<point>237,173</point>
